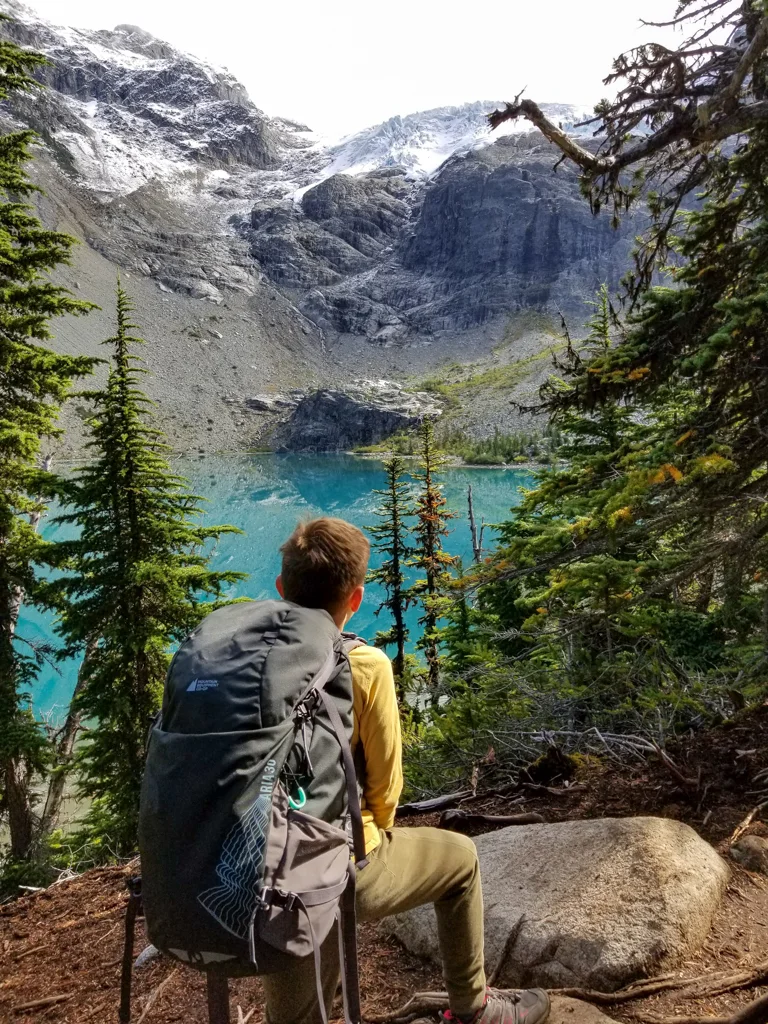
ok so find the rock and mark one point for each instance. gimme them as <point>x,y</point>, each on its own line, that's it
<point>575,1011</point>
<point>595,904</point>
<point>148,955</point>
<point>364,413</point>
<point>205,290</point>
<point>752,853</point>
<point>271,403</point>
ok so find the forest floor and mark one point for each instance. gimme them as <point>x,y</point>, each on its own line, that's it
<point>66,941</point>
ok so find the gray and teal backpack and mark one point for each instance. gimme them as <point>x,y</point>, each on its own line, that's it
<point>250,807</point>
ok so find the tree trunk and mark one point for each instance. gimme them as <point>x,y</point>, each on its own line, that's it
<point>17,597</point>
<point>65,747</point>
<point>399,662</point>
<point>17,798</point>
<point>477,539</point>
<point>706,586</point>
<point>18,805</point>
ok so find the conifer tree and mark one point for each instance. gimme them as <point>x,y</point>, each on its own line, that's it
<point>137,581</point>
<point>432,516</point>
<point>468,633</point>
<point>391,538</point>
<point>34,381</point>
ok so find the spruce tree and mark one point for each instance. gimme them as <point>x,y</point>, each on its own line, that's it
<point>391,539</point>
<point>34,381</point>
<point>432,516</point>
<point>137,581</point>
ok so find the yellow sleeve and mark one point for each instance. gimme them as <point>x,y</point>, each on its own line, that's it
<point>378,728</point>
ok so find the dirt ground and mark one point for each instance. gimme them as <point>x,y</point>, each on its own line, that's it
<point>66,941</point>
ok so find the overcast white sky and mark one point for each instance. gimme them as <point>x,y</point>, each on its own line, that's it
<point>340,65</point>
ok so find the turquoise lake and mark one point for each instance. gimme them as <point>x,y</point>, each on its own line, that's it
<point>265,496</point>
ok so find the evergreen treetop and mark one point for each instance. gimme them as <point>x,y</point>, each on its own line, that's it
<point>136,581</point>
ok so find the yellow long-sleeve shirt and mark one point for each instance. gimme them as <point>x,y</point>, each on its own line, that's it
<point>377,727</point>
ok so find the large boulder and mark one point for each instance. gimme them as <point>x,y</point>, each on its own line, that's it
<point>590,903</point>
<point>365,412</point>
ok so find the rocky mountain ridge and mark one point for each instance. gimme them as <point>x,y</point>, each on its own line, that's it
<point>391,251</point>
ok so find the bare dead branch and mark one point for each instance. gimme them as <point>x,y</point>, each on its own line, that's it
<point>740,829</point>
<point>729,95</point>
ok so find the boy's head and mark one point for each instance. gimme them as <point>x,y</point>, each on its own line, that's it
<point>324,566</point>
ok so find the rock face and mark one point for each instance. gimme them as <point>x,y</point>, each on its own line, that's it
<point>594,903</point>
<point>366,412</point>
<point>494,232</point>
<point>343,227</point>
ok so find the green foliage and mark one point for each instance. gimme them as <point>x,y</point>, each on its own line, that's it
<point>501,449</point>
<point>521,446</point>
<point>468,635</point>
<point>135,580</point>
<point>34,381</point>
<point>391,538</point>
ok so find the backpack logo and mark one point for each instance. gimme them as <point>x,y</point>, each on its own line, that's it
<point>198,685</point>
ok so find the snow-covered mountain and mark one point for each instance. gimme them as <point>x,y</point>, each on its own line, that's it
<point>422,142</point>
<point>142,111</point>
<point>407,241</point>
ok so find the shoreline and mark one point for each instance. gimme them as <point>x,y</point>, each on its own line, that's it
<point>451,461</point>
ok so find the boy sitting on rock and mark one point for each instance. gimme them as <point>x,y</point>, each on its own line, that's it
<point>324,566</point>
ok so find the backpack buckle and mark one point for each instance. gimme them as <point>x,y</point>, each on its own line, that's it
<point>307,706</point>
<point>287,899</point>
<point>269,897</point>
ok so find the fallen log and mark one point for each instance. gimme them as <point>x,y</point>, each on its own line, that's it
<point>435,803</point>
<point>465,821</point>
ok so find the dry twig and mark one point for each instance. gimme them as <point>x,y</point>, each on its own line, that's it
<point>38,1004</point>
<point>744,825</point>
<point>155,994</point>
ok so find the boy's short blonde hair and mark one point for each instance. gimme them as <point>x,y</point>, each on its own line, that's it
<point>323,561</point>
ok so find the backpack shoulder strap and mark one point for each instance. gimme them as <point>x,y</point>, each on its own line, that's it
<point>349,641</point>
<point>353,797</point>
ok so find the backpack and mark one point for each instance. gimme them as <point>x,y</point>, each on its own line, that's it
<point>250,805</point>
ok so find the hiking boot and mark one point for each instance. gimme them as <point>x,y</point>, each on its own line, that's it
<point>526,1006</point>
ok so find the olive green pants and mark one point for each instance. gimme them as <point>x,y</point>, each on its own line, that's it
<point>411,867</point>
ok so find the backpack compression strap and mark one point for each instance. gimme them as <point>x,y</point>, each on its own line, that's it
<point>353,797</point>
